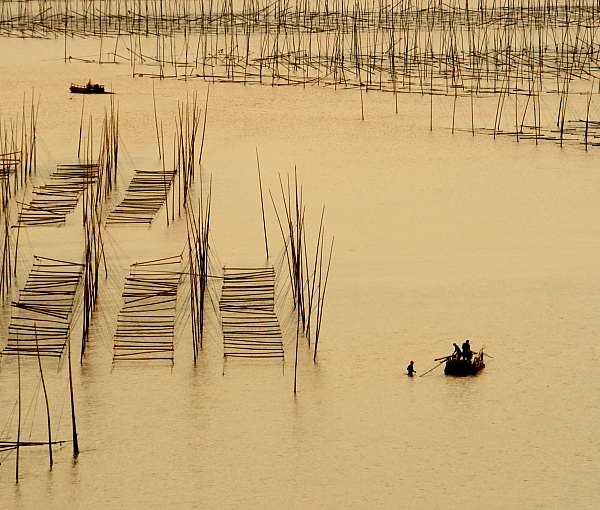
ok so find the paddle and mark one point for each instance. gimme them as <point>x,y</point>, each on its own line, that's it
<point>438,365</point>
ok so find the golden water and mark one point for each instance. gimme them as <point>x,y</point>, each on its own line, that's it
<point>438,238</point>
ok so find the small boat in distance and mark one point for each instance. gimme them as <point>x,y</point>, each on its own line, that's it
<point>456,365</point>
<point>89,88</point>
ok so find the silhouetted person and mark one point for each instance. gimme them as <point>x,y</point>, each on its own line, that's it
<point>466,348</point>
<point>457,352</point>
<point>411,368</point>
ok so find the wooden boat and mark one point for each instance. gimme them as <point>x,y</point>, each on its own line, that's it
<point>89,88</point>
<point>462,367</point>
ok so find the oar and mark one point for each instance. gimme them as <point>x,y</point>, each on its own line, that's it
<point>438,365</point>
<point>488,355</point>
<point>444,358</point>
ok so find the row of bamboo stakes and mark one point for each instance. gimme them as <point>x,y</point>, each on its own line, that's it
<point>522,49</point>
<point>147,17</point>
<point>18,161</point>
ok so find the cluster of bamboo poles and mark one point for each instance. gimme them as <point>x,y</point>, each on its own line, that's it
<point>93,257</point>
<point>18,150</point>
<point>186,130</point>
<point>522,49</point>
<point>58,196</point>
<point>149,190</point>
<point>308,274</point>
<point>198,251</point>
<point>151,17</point>
<point>109,151</point>
<point>94,197</point>
<point>385,44</point>
<point>18,160</point>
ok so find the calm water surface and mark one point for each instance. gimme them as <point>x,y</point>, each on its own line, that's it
<point>438,238</point>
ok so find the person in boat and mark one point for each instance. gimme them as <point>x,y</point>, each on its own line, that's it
<point>466,349</point>
<point>411,368</point>
<point>457,352</point>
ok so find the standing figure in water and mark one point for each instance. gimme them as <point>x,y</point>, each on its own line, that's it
<point>411,368</point>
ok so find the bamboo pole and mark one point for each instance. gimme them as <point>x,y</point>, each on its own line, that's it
<point>73,420</point>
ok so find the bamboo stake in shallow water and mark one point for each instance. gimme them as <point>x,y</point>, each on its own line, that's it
<point>73,421</point>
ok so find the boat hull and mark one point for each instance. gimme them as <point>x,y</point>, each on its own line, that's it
<point>461,367</point>
<point>88,89</point>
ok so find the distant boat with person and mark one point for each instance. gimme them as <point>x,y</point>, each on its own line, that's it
<point>89,88</point>
<point>462,367</point>
<point>463,362</point>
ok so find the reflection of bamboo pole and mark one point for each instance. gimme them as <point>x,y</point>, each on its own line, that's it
<point>45,394</point>
<point>164,175</point>
<point>204,126</point>
<point>80,127</point>
<point>20,406</point>
<point>156,121</point>
<point>312,285</point>
<point>285,240</point>
<point>322,299</point>
<point>296,356</point>
<point>262,204</point>
<point>587,119</point>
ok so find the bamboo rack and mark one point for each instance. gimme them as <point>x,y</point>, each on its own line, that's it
<point>146,322</point>
<point>250,326</point>
<point>41,318</point>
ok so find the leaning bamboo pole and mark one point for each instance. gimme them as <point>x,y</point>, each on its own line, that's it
<point>72,395</point>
